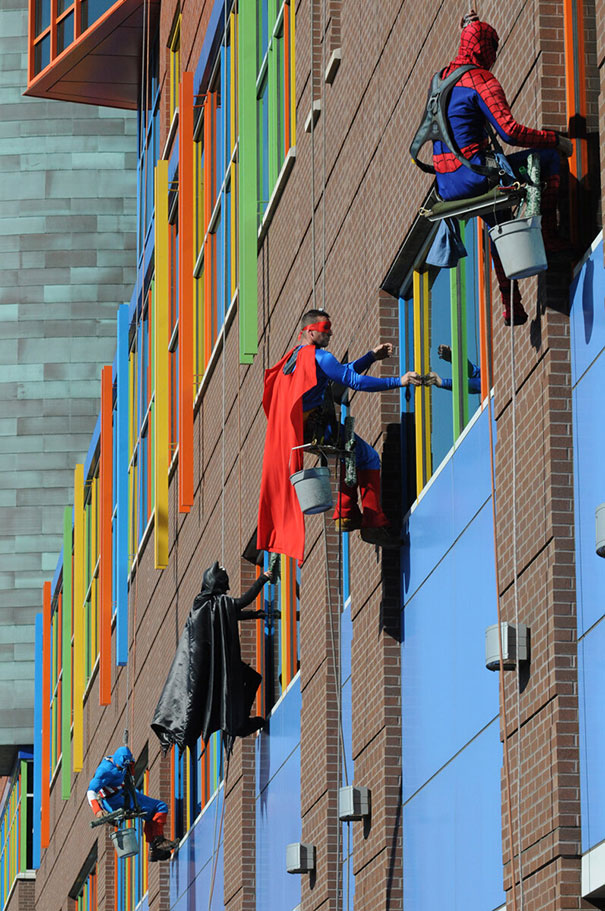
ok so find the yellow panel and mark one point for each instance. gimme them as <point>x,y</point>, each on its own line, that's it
<point>79,638</point>
<point>161,408</point>
<point>292,75</point>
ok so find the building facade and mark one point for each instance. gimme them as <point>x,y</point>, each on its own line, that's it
<point>68,230</point>
<point>274,177</point>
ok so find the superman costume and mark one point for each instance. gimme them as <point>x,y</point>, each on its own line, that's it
<point>290,395</point>
<point>477,99</point>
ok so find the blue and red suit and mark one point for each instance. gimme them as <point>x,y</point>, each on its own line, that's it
<point>475,100</point>
<point>107,791</point>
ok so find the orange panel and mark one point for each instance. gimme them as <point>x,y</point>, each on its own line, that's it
<point>105,491</point>
<point>186,266</point>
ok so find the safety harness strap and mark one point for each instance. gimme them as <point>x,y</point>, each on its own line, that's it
<point>435,125</point>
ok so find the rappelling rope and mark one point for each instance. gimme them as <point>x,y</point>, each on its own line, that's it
<point>516,591</point>
<point>503,712</point>
<point>223,752</point>
<point>313,271</point>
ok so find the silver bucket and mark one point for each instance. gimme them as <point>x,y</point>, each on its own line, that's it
<point>312,486</point>
<point>126,842</point>
<point>520,246</point>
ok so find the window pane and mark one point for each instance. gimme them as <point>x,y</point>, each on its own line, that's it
<point>42,15</point>
<point>65,32</point>
<point>440,330</point>
<point>42,54</point>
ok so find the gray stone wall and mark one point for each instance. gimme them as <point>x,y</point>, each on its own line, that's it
<point>67,260</point>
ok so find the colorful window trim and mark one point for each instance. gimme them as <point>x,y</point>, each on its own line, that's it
<point>277,640</point>
<point>447,307</point>
<point>194,777</point>
<point>132,873</point>
<point>276,120</point>
<point>86,898</point>
<point>16,827</point>
<point>141,386</point>
<point>174,47</point>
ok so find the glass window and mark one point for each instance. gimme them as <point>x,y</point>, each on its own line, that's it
<point>440,335</point>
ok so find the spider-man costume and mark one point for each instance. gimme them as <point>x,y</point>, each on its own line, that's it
<point>478,98</point>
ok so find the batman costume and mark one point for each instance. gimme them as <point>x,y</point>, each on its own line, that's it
<point>209,687</point>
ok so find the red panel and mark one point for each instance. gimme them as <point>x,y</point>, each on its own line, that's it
<point>105,496</point>
<point>186,266</point>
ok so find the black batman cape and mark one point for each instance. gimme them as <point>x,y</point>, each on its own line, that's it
<point>209,687</point>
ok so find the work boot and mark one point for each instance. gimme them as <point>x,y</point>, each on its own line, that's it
<point>381,536</point>
<point>161,848</point>
<point>251,725</point>
<point>348,523</point>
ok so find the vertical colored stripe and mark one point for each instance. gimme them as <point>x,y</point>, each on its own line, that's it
<point>186,291</point>
<point>287,100</point>
<point>575,83</point>
<point>23,821</point>
<point>37,801</point>
<point>274,139</point>
<point>106,508</point>
<point>45,765</point>
<point>66,656</point>
<point>161,410</point>
<point>485,306</point>
<point>422,409</point>
<point>292,75</point>
<point>459,348</point>
<point>79,639</point>
<point>260,651</point>
<point>208,197</point>
<point>122,517</point>
<point>247,203</point>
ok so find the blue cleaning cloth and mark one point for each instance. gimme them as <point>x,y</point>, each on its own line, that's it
<point>447,248</point>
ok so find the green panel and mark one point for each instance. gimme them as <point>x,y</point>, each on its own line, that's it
<point>66,657</point>
<point>248,283</point>
<point>459,348</point>
<point>23,816</point>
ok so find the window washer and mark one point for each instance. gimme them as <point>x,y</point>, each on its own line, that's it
<point>295,392</point>
<point>209,688</point>
<point>466,166</point>
<point>109,790</point>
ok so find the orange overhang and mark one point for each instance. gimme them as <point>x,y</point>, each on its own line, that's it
<point>103,65</point>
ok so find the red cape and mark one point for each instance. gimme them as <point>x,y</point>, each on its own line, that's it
<point>281,524</point>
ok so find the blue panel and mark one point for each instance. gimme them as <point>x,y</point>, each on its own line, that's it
<point>471,474</point>
<point>37,803</point>
<point>461,869</point>
<point>277,827</point>
<point>280,736</point>
<point>448,696</point>
<point>192,865</point>
<point>431,530</point>
<point>214,34</point>
<point>587,317</point>
<point>591,698</point>
<point>589,490</point>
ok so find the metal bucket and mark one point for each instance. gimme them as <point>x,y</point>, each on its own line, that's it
<point>126,842</point>
<point>312,486</point>
<point>520,246</point>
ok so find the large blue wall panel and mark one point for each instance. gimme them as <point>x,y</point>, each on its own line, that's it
<point>278,804</point>
<point>446,507</point>
<point>587,318</point>
<point>452,854</point>
<point>591,697</point>
<point>589,490</point>
<point>191,870</point>
<point>448,696</point>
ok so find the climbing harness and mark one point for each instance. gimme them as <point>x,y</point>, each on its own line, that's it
<point>435,127</point>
